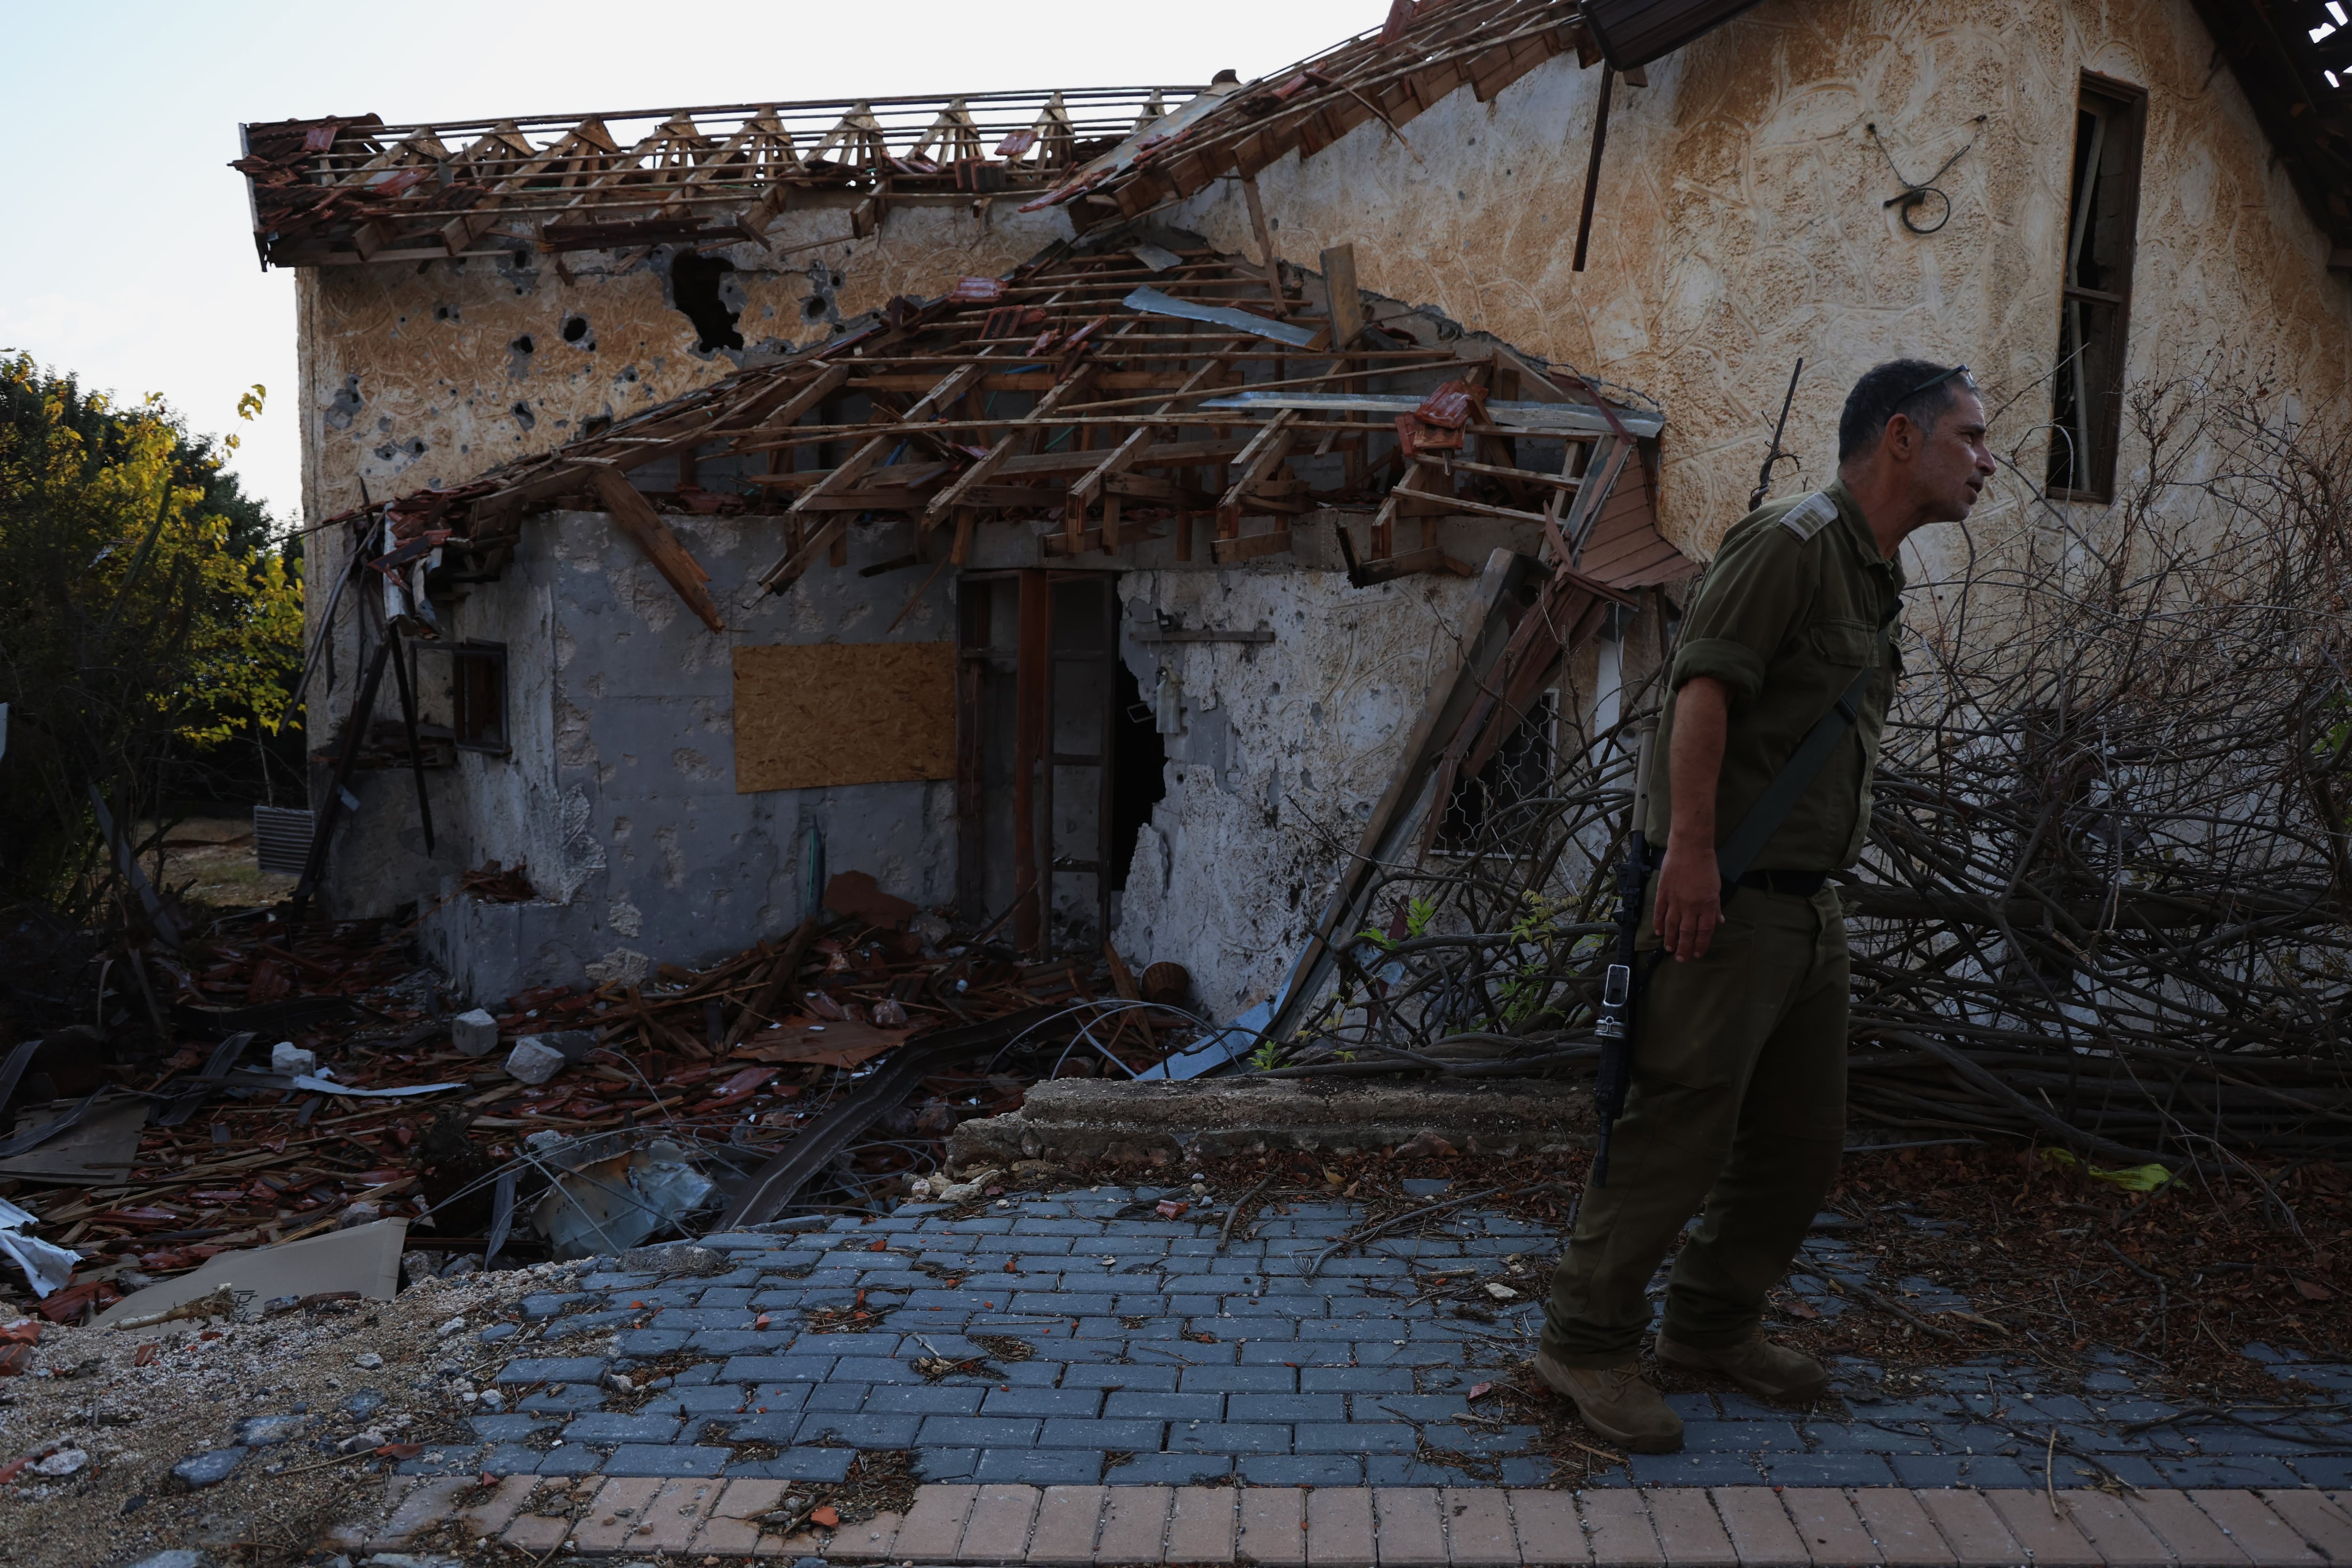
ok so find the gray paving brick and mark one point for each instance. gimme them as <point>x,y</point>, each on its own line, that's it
<point>444,1460</point>
<point>1169,1471</point>
<point>1223,1437</point>
<point>773,1426</point>
<point>797,1465</point>
<point>837,1397</point>
<point>571,1459</point>
<point>1827,1469</point>
<point>1040,1467</point>
<point>925,1399</point>
<point>1079,1402</point>
<point>1139,1405</point>
<point>1125,1437</point>
<point>666,1459</point>
<point>1354,1438</point>
<point>778,1396</point>
<point>1062,1303</point>
<point>977,1432</point>
<point>607,1427</point>
<point>495,1429</point>
<point>510,1459</point>
<point>1240,1379</point>
<point>777,1369</point>
<point>1292,1407</point>
<point>1303,1470</point>
<point>936,1464</point>
<point>1741,1437</point>
<point>560,1369</point>
<point>1116,1378</point>
<point>1354,1380</point>
<point>873,1429</point>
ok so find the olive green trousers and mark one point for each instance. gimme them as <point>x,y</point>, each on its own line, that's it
<point>1737,1112</point>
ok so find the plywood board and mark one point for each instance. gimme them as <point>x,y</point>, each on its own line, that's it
<point>816,714</point>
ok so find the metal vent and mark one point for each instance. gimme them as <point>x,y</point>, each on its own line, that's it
<point>281,840</point>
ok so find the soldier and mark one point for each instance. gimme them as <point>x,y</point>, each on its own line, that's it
<point>1737,1102</point>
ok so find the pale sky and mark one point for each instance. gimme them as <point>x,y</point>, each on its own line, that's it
<point>131,258</point>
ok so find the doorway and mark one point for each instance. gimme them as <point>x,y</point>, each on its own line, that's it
<point>1058,764</point>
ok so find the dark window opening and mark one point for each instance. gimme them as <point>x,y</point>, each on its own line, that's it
<point>2101,224</point>
<point>1139,760</point>
<point>1520,770</point>
<point>694,288</point>
<point>478,695</point>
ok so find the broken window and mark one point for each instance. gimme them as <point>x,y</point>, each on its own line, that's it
<point>2102,221</point>
<point>478,695</point>
<point>1520,770</point>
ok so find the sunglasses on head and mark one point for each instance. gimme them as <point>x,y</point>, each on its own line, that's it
<point>1937,379</point>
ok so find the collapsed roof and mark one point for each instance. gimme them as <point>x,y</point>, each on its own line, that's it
<point>347,190</point>
<point>2293,58</point>
<point>1114,388</point>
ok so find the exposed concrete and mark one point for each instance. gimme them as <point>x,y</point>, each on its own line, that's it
<point>1158,1123</point>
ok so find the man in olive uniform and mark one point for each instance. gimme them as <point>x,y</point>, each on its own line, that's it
<point>1737,1108</point>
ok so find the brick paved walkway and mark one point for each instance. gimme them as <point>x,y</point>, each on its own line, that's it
<point>1408,1527</point>
<point>1158,1358</point>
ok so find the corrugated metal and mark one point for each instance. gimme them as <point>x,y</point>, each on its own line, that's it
<point>1636,32</point>
<point>281,840</point>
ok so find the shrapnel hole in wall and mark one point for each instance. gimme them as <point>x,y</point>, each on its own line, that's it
<point>694,286</point>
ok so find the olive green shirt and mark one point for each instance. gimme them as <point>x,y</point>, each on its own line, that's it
<point>1796,603</point>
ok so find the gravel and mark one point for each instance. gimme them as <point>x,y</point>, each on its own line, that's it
<point>229,1443</point>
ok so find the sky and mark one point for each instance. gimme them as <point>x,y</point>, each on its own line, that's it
<point>132,262</point>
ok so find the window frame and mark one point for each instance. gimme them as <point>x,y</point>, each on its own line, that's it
<point>460,655</point>
<point>2125,106</point>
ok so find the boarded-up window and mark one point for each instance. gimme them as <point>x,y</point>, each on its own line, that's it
<point>816,714</point>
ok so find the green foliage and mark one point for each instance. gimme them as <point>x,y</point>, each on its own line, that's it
<point>149,617</point>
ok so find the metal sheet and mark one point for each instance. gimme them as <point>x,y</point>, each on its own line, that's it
<point>1152,303</point>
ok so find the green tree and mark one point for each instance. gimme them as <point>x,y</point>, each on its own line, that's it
<point>150,617</point>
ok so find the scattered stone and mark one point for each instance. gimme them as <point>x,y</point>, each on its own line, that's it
<point>268,1431</point>
<point>474,1033</point>
<point>367,1360</point>
<point>64,1462</point>
<point>357,1441</point>
<point>286,1057</point>
<point>364,1403</point>
<point>210,1468</point>
<point>676,1258</point>
<point>454,1326</point>
<point>534,1063</point>
<point>173,1557</point>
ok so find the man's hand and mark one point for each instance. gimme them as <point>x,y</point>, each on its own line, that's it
<point>1690,888</point>
<point>1690,902</point>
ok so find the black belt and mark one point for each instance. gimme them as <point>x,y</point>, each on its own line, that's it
<point>1802,884</point>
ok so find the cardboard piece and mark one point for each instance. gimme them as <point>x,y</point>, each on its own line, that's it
<point>366,1258</point>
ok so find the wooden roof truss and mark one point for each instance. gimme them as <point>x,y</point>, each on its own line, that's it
<point>1099,396</point>
<point>349,190</point>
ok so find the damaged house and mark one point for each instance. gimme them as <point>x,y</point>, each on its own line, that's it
<point>1067,507</point>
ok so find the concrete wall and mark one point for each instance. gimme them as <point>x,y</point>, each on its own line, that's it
<point>619,795</point>
<point>1740,224</point>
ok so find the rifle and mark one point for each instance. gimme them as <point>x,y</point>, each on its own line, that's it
<point>1619,991</point>
<point>1776,456</point>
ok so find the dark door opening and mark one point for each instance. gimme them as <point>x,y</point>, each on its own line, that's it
<point>1054,776</point>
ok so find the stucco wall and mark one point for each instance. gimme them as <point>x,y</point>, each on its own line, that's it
<point>412,373</point>
<point>1739,222</point>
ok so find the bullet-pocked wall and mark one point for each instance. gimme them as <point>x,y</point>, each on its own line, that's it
<point>1740,223</point>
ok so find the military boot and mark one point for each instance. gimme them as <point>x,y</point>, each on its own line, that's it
<point>1764,1369</point>
<point>1616,1404</point>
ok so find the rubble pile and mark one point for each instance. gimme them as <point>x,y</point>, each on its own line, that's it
<point>272,1083</point>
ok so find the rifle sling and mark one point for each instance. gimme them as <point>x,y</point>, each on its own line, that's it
<point>1796,776</point>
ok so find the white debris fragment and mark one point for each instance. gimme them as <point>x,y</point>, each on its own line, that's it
<point>534,1063</point>
<point>474,1033</point>
<point>289,1057</point>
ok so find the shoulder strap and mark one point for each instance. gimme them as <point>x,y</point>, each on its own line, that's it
<point>1787,785</point>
